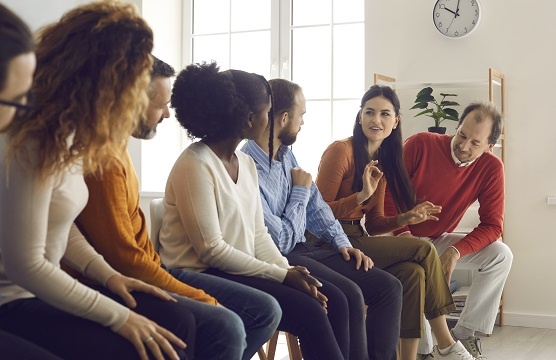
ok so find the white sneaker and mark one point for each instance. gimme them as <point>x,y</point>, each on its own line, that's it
<point>457,352</point>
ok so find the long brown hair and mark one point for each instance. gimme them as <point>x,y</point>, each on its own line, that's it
<point>390,153</point>
<point>90,86</point>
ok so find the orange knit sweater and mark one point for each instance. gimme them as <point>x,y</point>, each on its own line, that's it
<point>115,226</point>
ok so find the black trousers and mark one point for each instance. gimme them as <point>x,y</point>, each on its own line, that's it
<point>72,337</point>
<point>320,336</point>
<point>375,336</point>
<point>15,348</point>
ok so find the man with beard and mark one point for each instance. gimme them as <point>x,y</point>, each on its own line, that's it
<point>234,321</point>
<point>454,171</point>
<point>292,204</point>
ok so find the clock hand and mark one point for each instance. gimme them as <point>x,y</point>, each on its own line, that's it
<point>448,28</point>
<point>455,13</point>
<point>457,9</point>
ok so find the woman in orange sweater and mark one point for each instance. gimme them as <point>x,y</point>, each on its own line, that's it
<point>352,179</point>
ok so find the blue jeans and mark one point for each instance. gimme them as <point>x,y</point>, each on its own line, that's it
<point>254,315</point>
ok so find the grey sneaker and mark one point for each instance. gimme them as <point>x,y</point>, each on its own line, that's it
<point>473,345</point>
<point>457,352</point>
<point>425,356</point>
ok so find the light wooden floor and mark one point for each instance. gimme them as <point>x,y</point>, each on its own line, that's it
<point>506,343</point>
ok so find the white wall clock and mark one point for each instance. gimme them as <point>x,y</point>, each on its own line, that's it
<point>456,18</point>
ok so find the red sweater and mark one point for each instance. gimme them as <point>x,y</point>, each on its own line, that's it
<point>438,179</point>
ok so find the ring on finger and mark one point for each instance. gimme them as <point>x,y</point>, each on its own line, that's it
<point>150,338</point>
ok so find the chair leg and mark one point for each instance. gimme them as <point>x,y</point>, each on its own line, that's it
<point>293,347</point>
<point>271,346</point>
<point>262,355</point>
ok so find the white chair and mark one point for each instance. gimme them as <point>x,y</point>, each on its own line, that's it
<point>157,212</point>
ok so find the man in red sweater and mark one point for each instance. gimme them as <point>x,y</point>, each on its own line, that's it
<point>454,171</point>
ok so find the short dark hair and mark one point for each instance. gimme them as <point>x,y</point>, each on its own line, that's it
<point>161,69</point>
<point>486,110</point>
<point>215,105</point>
<point>15,39</point>
<point>283,95</point>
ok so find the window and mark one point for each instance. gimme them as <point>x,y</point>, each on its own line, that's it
<point>323,51</point>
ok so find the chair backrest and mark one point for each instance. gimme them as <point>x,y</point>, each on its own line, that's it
<point>157,212</point>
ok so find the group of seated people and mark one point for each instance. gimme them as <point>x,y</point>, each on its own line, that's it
<point>356,264</point>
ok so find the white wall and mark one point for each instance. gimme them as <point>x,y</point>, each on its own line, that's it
<point>518,40</point>
<point>38,13</point>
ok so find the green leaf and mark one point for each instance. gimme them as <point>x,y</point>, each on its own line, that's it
<point>424,112</point>
<point>425,91</point>
<point>419,106</point>
<point>424,98</point>
<point>451,112</point>
<point>449,103</point>
<point>450,117</point>
<point>442,94</point>
<point>438,114</point>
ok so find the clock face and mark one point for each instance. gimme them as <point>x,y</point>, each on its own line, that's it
<point>456,18</point>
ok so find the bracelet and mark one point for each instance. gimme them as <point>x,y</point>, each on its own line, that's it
<point>459,255</point>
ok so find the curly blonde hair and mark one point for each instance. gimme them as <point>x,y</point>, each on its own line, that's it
<point>93,69</point>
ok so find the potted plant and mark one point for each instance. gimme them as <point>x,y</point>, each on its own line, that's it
<point>439,110</point>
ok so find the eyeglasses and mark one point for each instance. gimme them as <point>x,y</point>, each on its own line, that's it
<point>22,109</point>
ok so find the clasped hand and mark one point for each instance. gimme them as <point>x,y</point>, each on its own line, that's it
<point>298,278</point>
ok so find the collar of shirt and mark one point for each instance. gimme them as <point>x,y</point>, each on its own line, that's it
<point>260,157</point>
<point>456,160</point>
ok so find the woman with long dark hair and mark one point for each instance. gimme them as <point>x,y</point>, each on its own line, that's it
<point>352,178</point>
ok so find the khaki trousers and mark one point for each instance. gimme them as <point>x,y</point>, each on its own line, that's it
<point>416,264</point>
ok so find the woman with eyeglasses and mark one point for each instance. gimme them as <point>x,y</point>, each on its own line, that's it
<point>93,69</point>
<point>17,64</point>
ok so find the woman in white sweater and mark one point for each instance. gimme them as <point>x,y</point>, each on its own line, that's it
<point>213,221</point>
<point>90,86</point>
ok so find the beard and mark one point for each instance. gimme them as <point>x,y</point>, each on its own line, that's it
<point>143,131</point>
<point>287,137</point>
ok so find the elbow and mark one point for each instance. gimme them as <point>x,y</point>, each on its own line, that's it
<point>210,255</point>
<point>21,271</point>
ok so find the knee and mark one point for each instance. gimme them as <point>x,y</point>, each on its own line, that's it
<point>505,254</point>
<point>351,294</point>
<point>271,312</point>
<point>230,326</point>
<point>394,286</point>
<point>411,274</point>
